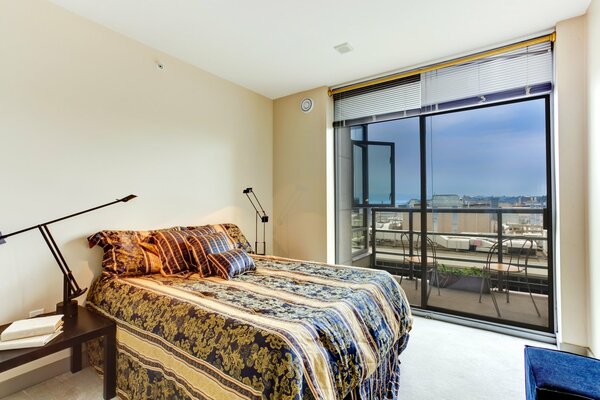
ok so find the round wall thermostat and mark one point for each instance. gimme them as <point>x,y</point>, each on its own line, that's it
<point>306,105</point>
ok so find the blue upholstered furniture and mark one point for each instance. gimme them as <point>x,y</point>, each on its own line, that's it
<point>553,375</point>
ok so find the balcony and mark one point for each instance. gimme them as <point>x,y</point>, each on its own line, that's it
<point>463,241</point>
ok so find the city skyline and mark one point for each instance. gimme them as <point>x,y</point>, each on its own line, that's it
<point>512,199</point>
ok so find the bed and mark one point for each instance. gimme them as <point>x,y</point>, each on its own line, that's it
<point>288,330</point>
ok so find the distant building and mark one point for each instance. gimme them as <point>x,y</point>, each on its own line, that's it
<point>479,202</point>
<point>458,223</point>
<point>413,203</point>
<point>446,201</point>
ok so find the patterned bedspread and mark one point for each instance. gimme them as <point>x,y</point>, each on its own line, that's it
<point>290,330</point>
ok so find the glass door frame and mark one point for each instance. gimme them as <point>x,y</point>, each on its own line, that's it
<point>548,217</point>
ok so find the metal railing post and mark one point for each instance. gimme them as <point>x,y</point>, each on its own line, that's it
<point>410,243</point>
<point>500,232</point>
<point>373,239</point>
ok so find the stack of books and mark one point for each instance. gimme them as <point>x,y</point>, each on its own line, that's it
<point>33,332</point>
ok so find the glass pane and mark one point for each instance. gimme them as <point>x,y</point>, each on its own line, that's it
<point>359,231</point>
<point>397,249</point>
<point>486,185</point>
<point>395,242</point>
<point>352,223</point>
<point>358,172</point>
<point>380,175</point>
<point>357,133</point>
<point>343,195</point>
<point>404,133</point>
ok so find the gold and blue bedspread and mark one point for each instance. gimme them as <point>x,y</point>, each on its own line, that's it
<point>289,330</point>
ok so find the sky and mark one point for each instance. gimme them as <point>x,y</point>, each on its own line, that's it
<point>490,151</point>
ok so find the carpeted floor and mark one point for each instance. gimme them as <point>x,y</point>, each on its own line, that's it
<point>442,361</point>
<point>447,361</point>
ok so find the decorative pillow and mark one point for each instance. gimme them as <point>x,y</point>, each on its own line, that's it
<point>234,235</point>
<point>231,263</point>
<point>173,251</point>
<point>200,230</point>
<point>127,253</point>
<point>201,246</point>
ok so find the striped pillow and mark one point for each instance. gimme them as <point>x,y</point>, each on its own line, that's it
<point>233,232</point>
<point>201,246</point>
<point>173,252</point>
<point>200,230</point>
<point>231,263</point>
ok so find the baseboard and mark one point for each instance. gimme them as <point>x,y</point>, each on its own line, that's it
<point>488,326</point>
<point>38,375</point>
<point>573,348</point>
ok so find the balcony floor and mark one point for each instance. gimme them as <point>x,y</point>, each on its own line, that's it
<point>520,309</point>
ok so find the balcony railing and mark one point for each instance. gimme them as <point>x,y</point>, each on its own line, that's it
<point>392,246</point>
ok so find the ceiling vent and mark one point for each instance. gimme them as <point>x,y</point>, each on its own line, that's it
<point>343,48</point>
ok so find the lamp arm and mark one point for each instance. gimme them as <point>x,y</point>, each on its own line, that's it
<point>74,290</point>
<point>38,226</point>
<point>252,202</point>
<point>264,214</point>
<point>260,214</point>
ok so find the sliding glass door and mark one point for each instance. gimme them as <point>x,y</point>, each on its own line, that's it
<point>488,184</point>
<point>468,230</point>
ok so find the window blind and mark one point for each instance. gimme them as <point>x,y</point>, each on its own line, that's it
<point>387,100</point>
<point>507,75</point>
<point>513,74</point>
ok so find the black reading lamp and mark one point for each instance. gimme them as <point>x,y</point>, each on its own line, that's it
<point>71,289</point>
<point>260,214</point>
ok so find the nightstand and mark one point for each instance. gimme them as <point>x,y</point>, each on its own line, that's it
<point>86,326</point>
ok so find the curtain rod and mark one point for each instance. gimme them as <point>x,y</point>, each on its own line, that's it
<point>461,60</point>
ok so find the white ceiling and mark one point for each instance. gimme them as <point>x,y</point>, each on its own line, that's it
<point>280,47</point>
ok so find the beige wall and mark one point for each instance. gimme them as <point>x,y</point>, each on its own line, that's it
<point>571,142</point>
<point>86,117</point>
<point>300,165</point>
<point>593,82</point>
<point>578,99</point>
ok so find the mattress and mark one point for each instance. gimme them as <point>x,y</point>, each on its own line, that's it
<point>290,330</point>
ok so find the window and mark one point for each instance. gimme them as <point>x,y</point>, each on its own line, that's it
<point>373,173</point>
<point>484,174</point>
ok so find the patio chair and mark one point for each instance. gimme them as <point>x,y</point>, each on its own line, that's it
<point>515,253</point>
<point>404,243</point>
<point>432,263</point>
